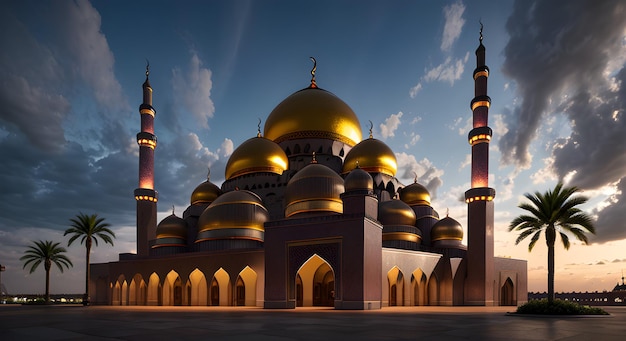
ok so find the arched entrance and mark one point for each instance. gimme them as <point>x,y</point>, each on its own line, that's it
<point>418,285</point>
<point>245,293</point>
<point>220,288</point>
<point>433,290</point>
<point>154,290</point>
<point>197,288</point>
<point>172,289</point>
<point>137,291</point>
<point>120,291</point>
<point>317,282</point>
<point>395,280</point>
<point>507,293</point>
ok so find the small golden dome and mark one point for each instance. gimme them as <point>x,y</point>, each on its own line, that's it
<point>372,156</point>
<point>233,215</point>
<point>171,227</point>
<point>205,193</point>
<point>315,188</point>
<point>257,154</point>
<point>395,212</point>
<point>446,229</point>
<point>415,194</point>
<point>358,179</point>
<point>313,113</point>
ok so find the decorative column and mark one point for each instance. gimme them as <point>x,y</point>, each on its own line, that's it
<point>479,285</point>
<point>145,195</point>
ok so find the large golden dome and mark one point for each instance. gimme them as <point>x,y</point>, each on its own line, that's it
<point>233,215</point>
<point>205,193</point>
<point>446,229</point>
<point>415,194</point>
<point>395,212</point>
<point>373,156</point>
<point>257,154</point>
<point>172,230</point>
<point>315,188</point>
<point>313,113</point>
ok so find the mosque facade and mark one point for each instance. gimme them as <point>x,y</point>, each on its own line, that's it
<point>311,214</point>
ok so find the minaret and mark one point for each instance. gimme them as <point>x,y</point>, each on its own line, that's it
<point>145,195</point>
<point>479,285</point>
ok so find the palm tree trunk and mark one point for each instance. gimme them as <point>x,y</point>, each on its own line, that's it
<point>550,239</point>
<point>47,265</point>
<point>86,300</point>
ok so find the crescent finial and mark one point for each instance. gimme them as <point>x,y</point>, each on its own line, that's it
<point>314,160</point>
<point>481,30</point>
<point>147,67</point>
<point>371,128</point>
<point>258,127</point>
<point>415,177</point>
<point>208,174</point>
<point>173,210</point>
<point>313,83</point>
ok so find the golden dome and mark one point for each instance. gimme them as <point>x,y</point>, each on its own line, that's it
<point>372,156</point>
<point>313,113</point>
<point>358,179</point>
<point>171,227</point>
<point>395,212</point>
<point>205,193</point>
<point>315,188</point>
<point>415,194</point>
<point>257,154</point>
<point>233,215</point>
<point>446,229</point>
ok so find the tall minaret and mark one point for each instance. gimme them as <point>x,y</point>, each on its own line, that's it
<point>145,195</point>
<point>479,285</point>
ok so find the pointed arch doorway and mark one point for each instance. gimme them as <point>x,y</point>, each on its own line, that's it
<point>315,284</point>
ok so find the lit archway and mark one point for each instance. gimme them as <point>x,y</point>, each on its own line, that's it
<point>317,281</point>
<point>418,285</point>
<point>433,290</point>
<point>245,293</point>
<point>220,288</point>
<point>137,291</point>
<point>197,288</point>
<point>395,279</point>
<point>172,289</point>
<point>507,293</point>
<point>154,290</point>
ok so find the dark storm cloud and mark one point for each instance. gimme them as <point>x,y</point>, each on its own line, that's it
<point>555,46</point>
<point>568,57</point>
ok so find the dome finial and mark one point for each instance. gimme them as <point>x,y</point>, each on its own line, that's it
<point>447,211</point>
<point>313,83</point>
<point>208,174</point>
<point>173,210</point>
<point>481,31</point>
<point>258,134</point>
<point>415,177</point>
<point>357,164</point>
<point>371,128</point>
<point>314,160</point>
<point>147,68</point>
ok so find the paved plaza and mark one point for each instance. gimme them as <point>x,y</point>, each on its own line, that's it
<point>239,323</point>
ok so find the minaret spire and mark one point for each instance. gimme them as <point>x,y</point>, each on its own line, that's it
<point>145,195</point>
<point>479,198</point>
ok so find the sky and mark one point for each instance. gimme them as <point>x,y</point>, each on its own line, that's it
<point>70,88</point>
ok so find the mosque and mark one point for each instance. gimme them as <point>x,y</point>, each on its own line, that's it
<point>311,214</point>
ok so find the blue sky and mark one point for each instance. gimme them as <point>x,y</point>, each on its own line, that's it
<point>72,71</point>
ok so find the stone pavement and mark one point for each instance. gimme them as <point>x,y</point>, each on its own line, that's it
<point>243,323</point>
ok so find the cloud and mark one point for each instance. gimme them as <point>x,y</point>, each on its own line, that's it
<point>413,141</point>
<point>454,24</point>
<point>192,90</point>
<point>226,148</point>
<point>572,45</point>
<point>449,71</point>
<point>388,128</point>
<point>415,90</point>
<point>427,174</point>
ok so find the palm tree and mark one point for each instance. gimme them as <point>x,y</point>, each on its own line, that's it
<point>89,228</point>
<point>47,252</point>
<point>551,212</point>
